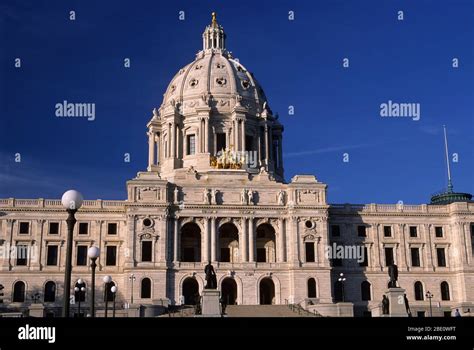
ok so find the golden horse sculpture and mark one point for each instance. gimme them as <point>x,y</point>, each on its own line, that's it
<point>227,159</point>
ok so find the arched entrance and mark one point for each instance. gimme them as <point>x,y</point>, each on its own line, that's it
<point>229,243</point>
<point>266,243</point>
<point>229,291</point>
<point>190,243</point>
<point>190,291</point>
<point>267,292</point>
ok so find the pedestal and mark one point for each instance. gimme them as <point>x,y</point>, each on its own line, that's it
<point>36,310</point>
<point>210,303</point>
<point>397,302</point>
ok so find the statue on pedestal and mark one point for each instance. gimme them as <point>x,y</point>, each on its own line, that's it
<point>385,305</point>
<point>211,278</point>
<point>393,273</point>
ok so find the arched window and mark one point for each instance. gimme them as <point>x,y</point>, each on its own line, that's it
<point>445,291</point>
<point>311,288</point>
<point>19,292</point>
<point>365,290</point>
<point>419,295</point>
<point>145,291</point>
<point>49,292</point>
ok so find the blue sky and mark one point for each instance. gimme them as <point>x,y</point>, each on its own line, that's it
<point>299,63</point>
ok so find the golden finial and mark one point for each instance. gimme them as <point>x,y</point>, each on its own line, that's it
<point>214,20</point>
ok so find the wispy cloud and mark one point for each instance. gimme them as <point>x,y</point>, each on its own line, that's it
<point>325,150</point>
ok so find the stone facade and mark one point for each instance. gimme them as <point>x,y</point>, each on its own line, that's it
<point>214,190</point>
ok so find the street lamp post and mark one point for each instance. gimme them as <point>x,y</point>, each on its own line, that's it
<point>132,278</point>
<point>72,201</point>
<point>114,293</point>
<point>79,289</point>
<point>342,279</point>
<point>429,295</point>
<point>107,280</point>
<point>93,254</point>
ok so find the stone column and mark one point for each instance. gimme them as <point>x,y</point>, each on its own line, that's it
<point>158,148</point>
<point>205,246</point>
<point>36,263</point>
<point>243,241</point>
<point>208,132</point>
<point>199,138</point>
<point>403,250</point>
<point>213,239</point>
<point>430,260</point>
<point>266,145</point>
<point>151,149</point>
<point>173,140</point>
<point>281,240</point>
<point>6,264</point>
<point>176,239</point>
<point>129,258</point>
<point>163,243</point>
<point>243,135</point>
<point>467,237</point>
<point>251,241</point>
<point>294,242</point>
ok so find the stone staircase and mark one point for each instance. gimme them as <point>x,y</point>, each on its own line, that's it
<point>266,311</point>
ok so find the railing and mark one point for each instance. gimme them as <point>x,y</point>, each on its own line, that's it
<point>390,208</point>
<point>56,203</point>
<point>297,308</point>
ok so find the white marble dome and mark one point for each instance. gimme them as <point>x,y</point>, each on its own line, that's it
<point>214,79</point>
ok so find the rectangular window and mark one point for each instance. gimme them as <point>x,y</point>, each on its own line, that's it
<point>335,231</point>
<point>53,228</point>
<point>111,256</point>
<point>389,256</point>
<point>365,261</point>
<point>420,313</point>
<point>415,257</point>
<point>112,228</point>
<point>261,255</point>
<point>439,231</point>
<point>52,255</point>
<point>220,142</point>
<point>387,231</point>
<point>361,231</point>
<point>21,255</point>
<point>191,147</point>
<point>440,254</point>
<point>309,251</point>
<point>81,256</point>
<point>24,228</point>
<point>147,250</point>
<point>83,228</point>
<point>225,254</point>
<point>447,313</point>
<point>413,231</point>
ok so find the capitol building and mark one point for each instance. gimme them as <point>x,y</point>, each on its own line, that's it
<point>214,191</point>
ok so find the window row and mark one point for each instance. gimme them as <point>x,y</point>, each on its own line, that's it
<point>24,228</point>
<point>366,291</point>
<point>80,290</point>
<point>53,250</point>
<point>415,258</point>
<point>387,231</point>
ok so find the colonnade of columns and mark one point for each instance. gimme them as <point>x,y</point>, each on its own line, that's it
<point>247,240</point>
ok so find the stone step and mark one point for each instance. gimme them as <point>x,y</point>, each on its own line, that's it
<point>263,311</point>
